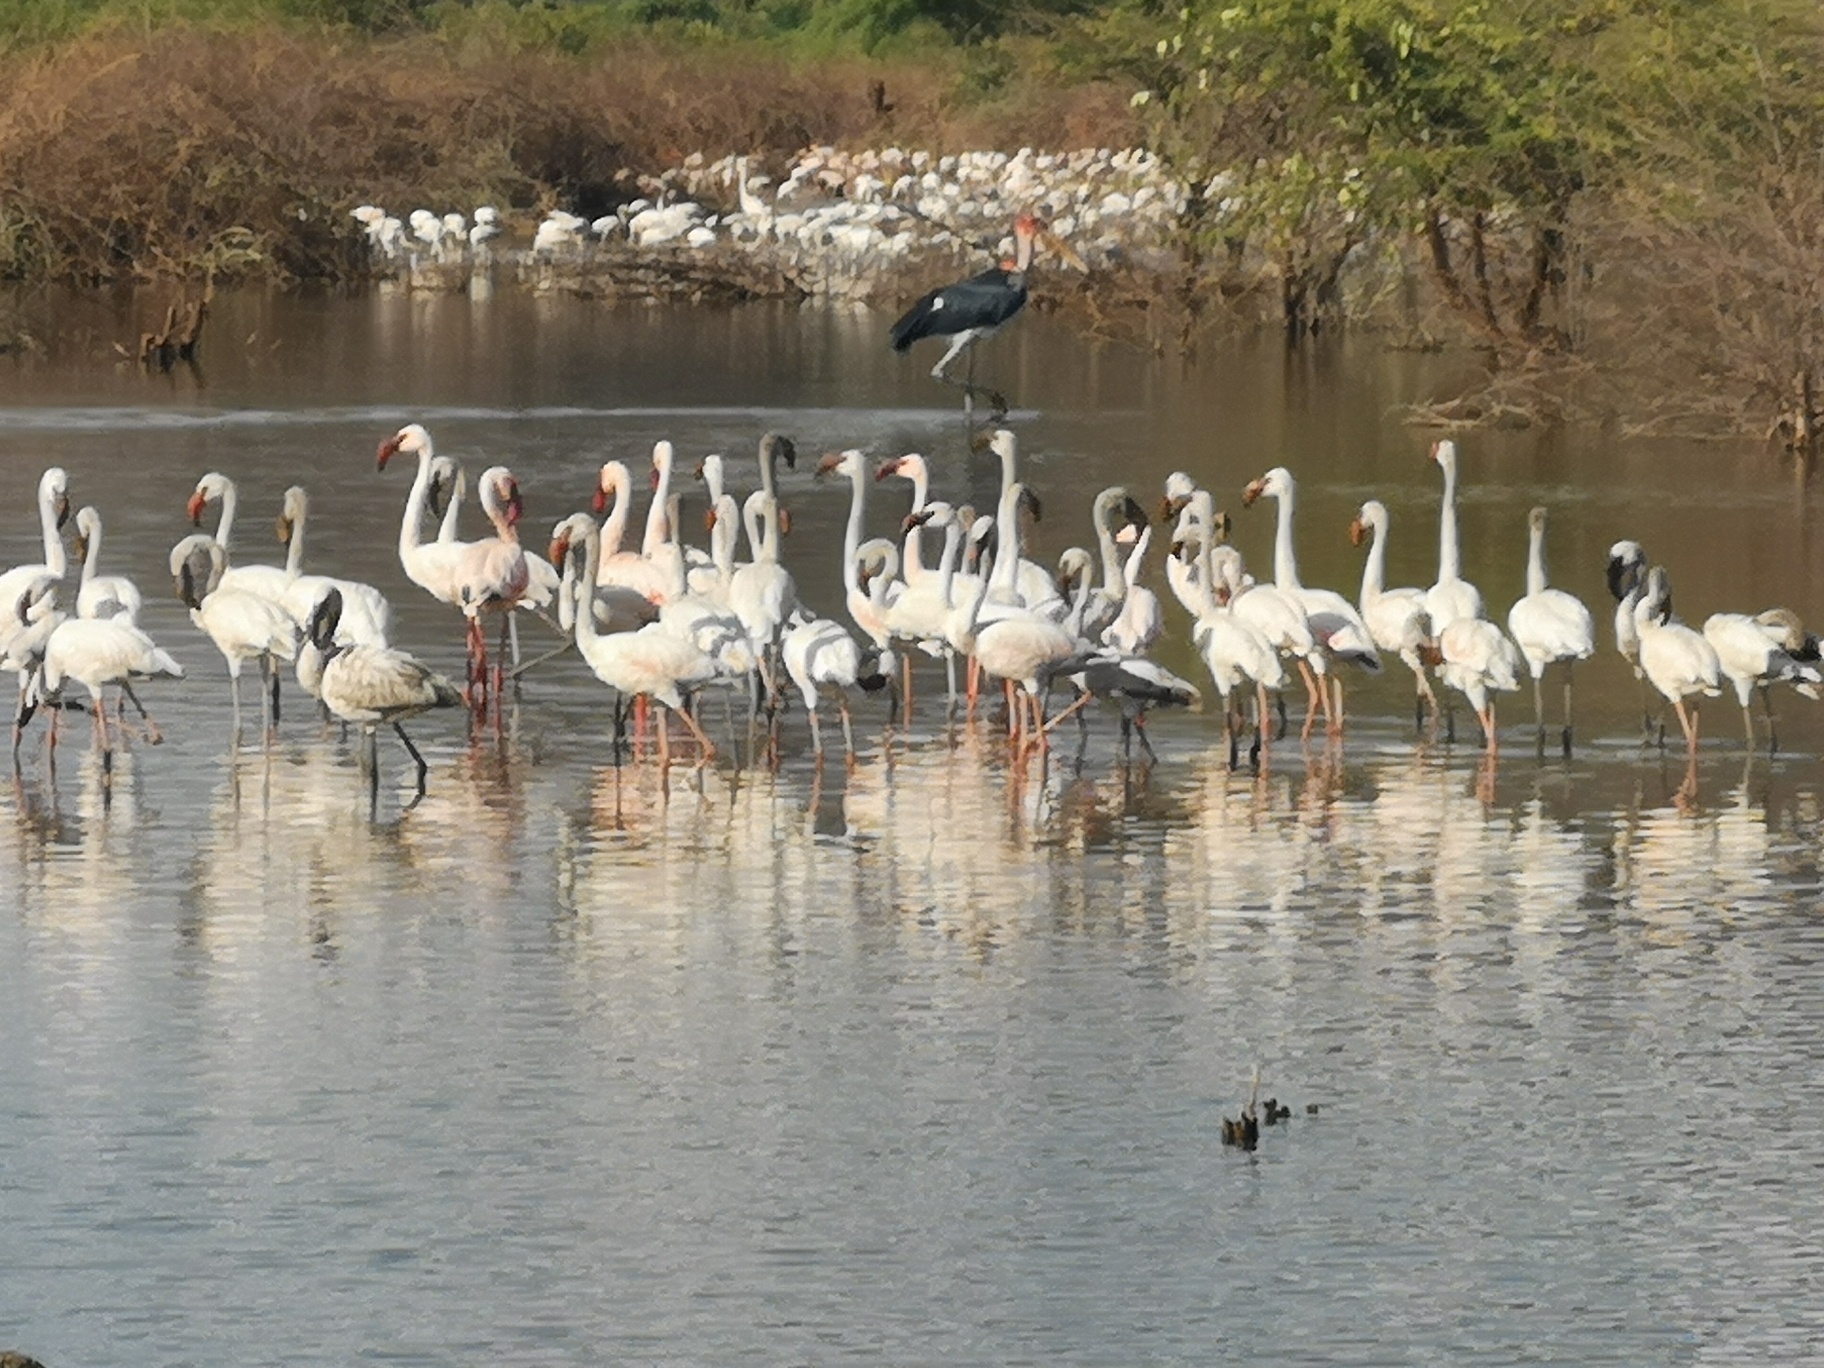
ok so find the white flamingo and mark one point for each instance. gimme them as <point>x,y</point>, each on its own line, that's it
<point>1757,652</point>
<point>1627,578</point>
<point>100,596</point>
<point>492,575</point>
<point>1452,597</point>
<point>1479,662</point>
<point>1335,623</point>
<point>822,658</point>
<point>1549,625</point>
<point>28,594</point>
<point>1139,623</point>
<point>429,565</point>
<point>1235,652</point>
<point>1397,618</point>
<point>369,685</point>
<point>622,569</point>
<point>364,615</point>
<point>243,625</point>
<point>97,652</point>
<point>267,581</point>
<point>650,663</point>
<point>1677,661</point>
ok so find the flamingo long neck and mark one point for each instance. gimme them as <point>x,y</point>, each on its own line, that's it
<point>851,534</point>
<point>490,504</point>
<point>975,610</point>
<point>92,536</point>
<point>409,540</point>
<point>294,546</point>
<point>947,559</point>
<point>1079,606</point>
<point>1535,562</point>
<point>586,633</point>
<point>1114,578</point>
<point>1374,570</point>
<point>55,558</point>
<point>712,478</point>
<point>769,475</point>
<point>1285,560</point>
<point>1450,561</point>
<point>769,525</point>
<point>446,530</point>
<point>722,536</point>
<point>1007,541</point>
<point>661,495</point>
<point>921,491</point>
<point>1136,560</point>
<point>614,526</point>
<point>224,526</point>
<point>1203,588</point>
<point>750,520</point>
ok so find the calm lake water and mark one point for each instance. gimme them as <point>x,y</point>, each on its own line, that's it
<point>927,1062</point>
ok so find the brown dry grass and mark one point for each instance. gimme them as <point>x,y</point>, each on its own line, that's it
<point>185,153</point>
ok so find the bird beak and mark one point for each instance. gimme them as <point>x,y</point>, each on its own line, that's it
<point>515,505</point>
<point>1220,525</point>
<point>388,449</point>
<point>1030,502</point>
<point>1358,532</point>
<point>789,450</point>
<point>82,554</point>
<point>195,508</point>
<point>915,520</point>
<point>284,530</point>
<point>709,519</point>
<point>697,474</point>
<point>828,465</point>
<point>785,522</point>
<point>655,477</point>
<point>600,502</point>
<point>560,547</point>
<point>886,468</point>
<point>63,510</point>
<point>1135,515</point>
<point>1253,492</point>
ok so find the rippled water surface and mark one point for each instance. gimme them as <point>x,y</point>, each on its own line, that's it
<point>924,1062</point>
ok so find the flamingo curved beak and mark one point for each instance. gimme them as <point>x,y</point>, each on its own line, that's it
<point>82,554</point>
<point>388,449</point>
<point>515,505</point>
<point>829,465</point>
<point>1253,492</point>
<point>600,500</point>
<point>886,468</point>
<point>913,520</point>
<point>785,522</point>
<point>655,477</point>
<point>1134,513</point>
<point>559,548</point>
<point>63,510</point>
<point>194,509</point>
<point>1358,532</point>
<point>284,530</point>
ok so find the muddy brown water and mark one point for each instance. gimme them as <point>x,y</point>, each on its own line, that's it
<point>927,1061</point>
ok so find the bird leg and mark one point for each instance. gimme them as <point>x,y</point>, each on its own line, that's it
<point>1539,714</point>
<point>905,689</point>
<point>370,751</point>
<point>1073,710</point>
<point>1487,718</point>
<point>966,342</point>
<point>709,751</point>
<point>417,759</point>
<point>1773,739</point>
<point>1687,719</point>
<point>1567,709</point>
<point>153,735</point>
<point>848,730</point>
<point>1748,722</point>
<point>1312,697</point>
<point>23,714</point>
<point>1336,718</point>
<point>272,667</point>
<point>1152,756</point>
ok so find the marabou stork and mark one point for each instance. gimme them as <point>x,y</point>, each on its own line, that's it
<point>970,310</point>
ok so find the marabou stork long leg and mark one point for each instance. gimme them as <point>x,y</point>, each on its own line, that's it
<point>966,340</point>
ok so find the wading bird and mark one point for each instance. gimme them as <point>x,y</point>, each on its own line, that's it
<point>970,310</point>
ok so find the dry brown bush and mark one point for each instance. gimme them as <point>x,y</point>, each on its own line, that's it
<point>186,153</point>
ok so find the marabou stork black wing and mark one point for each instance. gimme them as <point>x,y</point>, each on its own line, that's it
<point>982,301</point>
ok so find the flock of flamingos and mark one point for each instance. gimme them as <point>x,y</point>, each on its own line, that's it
<point>661,623</point>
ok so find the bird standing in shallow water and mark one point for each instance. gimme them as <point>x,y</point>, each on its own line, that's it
<point>970,310</point>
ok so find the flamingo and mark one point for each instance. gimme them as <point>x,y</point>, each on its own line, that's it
<point>370,684</point>
<point>1104,602</point>
<point>1549,625</point>
<point>821,657</point>
<point>1452,597</point>
<point>1677,661</point>
<point>1018,581</point>
<point>1233,650</point>
<point>364,615</point>
<point>492,575</point>
<point>1396,618</point>
<point>96,652</point>
<point>1139,623</point>
<point>1479,662</point>
<point>1627,578</point>
<point>1756,652</point>
<point>267,581</point>
<point>100,596</point>
<point>429,565</point>
<point>27,593</point>
<point>651,663</point>
<point>243,625</point>
<point>913,467</point>
<point>1335,623</point>
<point>763,593</point>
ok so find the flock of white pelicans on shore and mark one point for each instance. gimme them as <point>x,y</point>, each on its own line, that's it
<point>665,621</point>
